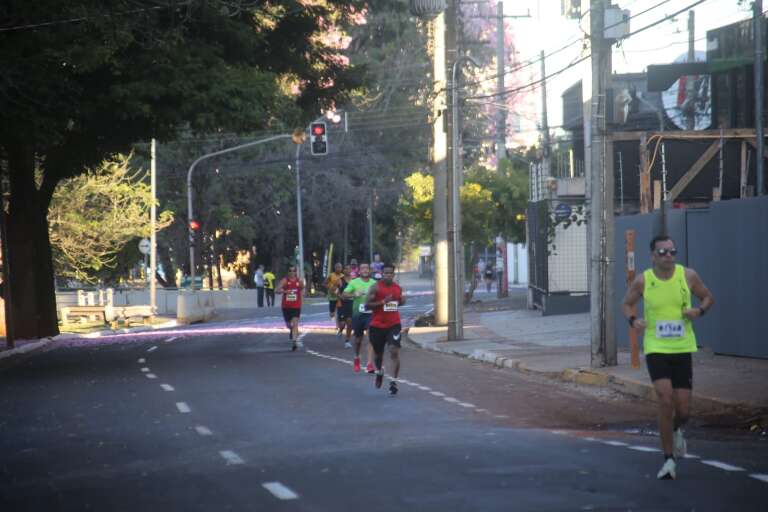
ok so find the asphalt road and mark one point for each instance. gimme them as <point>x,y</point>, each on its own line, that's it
<point>228,418</point>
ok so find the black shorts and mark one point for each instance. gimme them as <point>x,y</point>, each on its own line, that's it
<point>291,313</point>
<point>360,324</point>
<point>676,367</point>
<point>382,336</point>
<point>344,311</point>
<point>332,306</point>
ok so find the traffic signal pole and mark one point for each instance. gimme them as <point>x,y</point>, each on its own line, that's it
<point>190,215</point>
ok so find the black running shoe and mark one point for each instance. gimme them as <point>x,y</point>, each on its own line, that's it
<point>379,379</point>
<point>293,346</point>
<point>393,388</point>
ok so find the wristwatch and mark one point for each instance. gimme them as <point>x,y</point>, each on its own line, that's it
<point>632,320</point>
<point>702,311</point>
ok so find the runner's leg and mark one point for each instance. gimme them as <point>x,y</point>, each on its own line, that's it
<point>394,356</point>
<point>665,396</point>
<point>682,406</point>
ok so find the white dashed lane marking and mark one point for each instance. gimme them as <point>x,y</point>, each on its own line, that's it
<point>172,338</point>
<point>644,449</point>
<point>280,491</point>
<point>436,393</point>
<point>152,349</point>
<point>150,375</point>
<point>145,369</point>
<point>450,399</point>
<point>615,443</point>
<point>231,457</point>
<point>183,407</point>
<point>722,465</point>
<point>141,360</point>
<point>203,431</point>
<point>167,387</point>
<point>758,476</point>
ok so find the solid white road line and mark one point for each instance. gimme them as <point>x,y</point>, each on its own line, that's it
<point>280,491</point>
<point>152,349</point>
<point>183,407</point>
<point>691,456</point>
<point>150,375</point>
<point>203,431</point>
<point>644,449</point>
<point>758,476</point>
<point>141,360</point>
<point>231,457</point>
<point>145,369</point>
<point>615,443</point>
<point>425,388</point>
<point>167,387</point>
<point>722,465</point>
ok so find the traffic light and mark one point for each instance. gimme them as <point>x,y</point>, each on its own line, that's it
<point>318,138</point>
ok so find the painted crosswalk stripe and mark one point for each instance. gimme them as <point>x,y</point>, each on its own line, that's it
<point>231,457</point>
<point>150,375</point>
<point>721,465</point>
<point>280,491</point>
<point>167,387</point>
<point>758,476</point>
<point>203,431</point>
<point>644,449</point>
<point>183,407</point>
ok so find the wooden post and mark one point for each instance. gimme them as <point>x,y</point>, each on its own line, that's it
<point>629,237</point>
<point>656,194</point>
<point>645,176</point>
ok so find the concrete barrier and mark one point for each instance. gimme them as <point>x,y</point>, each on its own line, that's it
<point>193,307</point>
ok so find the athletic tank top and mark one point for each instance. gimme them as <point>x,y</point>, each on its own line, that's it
<point>292,294</point>
<point>668,331</point>
<point>387,315</point>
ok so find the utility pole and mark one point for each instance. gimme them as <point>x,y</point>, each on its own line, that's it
<point>544,123</point>
<point>153,231</point>
<point>370,227</point>
<point>759,92</point>
<point>600,200</point>
<point>690,118</point>
<point>299,216</point>
<point>452,289</point>
<point>443,33</point>
<point>501,112</point>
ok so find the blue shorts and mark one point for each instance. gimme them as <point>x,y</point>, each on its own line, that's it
<point>360,323</point>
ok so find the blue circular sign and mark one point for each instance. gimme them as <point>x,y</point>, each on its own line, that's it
<point>562,212</point>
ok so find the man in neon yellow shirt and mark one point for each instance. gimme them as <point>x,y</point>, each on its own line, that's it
<point>357,289</point>
<point>668,340</point>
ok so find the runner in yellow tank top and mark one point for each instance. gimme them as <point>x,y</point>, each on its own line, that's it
<point>668,339</point>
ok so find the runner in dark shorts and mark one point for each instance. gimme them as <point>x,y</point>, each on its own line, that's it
<point>291,288</point>
<point>384,299</point>
<point>344,309</point>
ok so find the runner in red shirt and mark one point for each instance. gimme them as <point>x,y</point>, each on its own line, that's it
<point>384,299</point>
<point>291,288</point>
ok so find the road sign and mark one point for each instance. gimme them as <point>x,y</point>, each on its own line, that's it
<point>144,246</point>
<point>562,212</point>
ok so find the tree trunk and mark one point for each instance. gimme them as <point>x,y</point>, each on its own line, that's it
<point>473,282</point>
<point>33,295</point>
<point>219,260</point>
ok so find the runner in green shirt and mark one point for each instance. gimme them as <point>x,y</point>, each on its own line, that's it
<point>357,289</point>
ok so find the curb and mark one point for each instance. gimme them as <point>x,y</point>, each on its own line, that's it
<point>29,347</point>
<point>584,376</point>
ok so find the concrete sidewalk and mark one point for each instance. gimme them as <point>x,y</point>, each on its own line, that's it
<point>558,347</point>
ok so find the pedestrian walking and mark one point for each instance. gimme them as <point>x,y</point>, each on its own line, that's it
<point>269,287</point>
<point>384,299</point>
<point>258,280</point>
<point>291,289</point>
<point>669,340</point>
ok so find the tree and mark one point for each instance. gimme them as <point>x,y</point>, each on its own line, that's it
<point>99,76</point>
<point>94,215</point>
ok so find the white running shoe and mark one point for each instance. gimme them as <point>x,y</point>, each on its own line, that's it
<point>347,344</point>
<point>667,471</point>
<point>299,343</point>
<point>680,446</point>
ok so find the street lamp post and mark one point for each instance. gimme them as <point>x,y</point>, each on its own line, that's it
<point>455,249</point>
<point>300,263</point>
<point>189,194</point>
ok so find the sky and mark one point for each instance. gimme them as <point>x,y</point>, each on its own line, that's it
<point>548,30</point>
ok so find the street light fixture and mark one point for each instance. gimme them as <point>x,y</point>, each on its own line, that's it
<point>455,250</point>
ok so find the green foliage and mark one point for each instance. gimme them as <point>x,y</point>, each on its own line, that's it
<point>93,216</point>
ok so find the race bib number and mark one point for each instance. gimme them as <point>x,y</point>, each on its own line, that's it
<point>361,309</point>
<point>670,329</point>
<point>391,305</point>
<point>292,296</point>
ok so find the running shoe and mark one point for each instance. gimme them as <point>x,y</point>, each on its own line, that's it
<point>293,346</point>
<point>680,446</point>
<point>356,365</point>
<point>369,368</point>
<point>393,388</point>
<point>667,471</point>
<point>299,343</point>
<point>379,378</point>
<point>338,332</point>
<point>347,344</point>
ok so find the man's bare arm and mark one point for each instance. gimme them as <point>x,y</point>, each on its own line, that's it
<point>370,303</point>
<point>700,290</point>
<point>632,297</point>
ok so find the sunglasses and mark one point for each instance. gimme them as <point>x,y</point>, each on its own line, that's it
<point>291,270</point>
<point>664,252</point>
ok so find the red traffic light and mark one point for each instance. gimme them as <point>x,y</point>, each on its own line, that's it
<point>318,129</point>
<point>194,225</point>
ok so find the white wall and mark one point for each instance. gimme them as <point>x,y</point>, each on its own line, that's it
<point>517,256</point>
<point>568,260</point>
